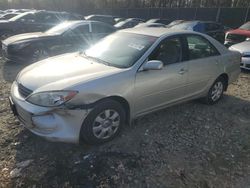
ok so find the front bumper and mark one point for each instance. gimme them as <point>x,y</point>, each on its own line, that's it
<point>11,57</point>
<point>245,63</point>
<point>54,124</point>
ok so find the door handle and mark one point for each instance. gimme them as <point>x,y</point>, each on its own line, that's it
<point>182,71</point>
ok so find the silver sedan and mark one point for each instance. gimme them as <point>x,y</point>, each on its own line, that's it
<point>91,95</point>
<point>244,49</point>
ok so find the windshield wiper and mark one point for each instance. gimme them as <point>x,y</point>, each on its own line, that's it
<point>94,58</point>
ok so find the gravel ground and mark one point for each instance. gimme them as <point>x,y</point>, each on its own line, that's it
<point>189,145</point>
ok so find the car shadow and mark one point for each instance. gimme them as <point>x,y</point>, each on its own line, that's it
<point>11,69</point>
<point>190,144</point>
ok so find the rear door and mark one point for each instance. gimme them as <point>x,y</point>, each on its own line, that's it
<point>156,88</point>
<point>203,65</point>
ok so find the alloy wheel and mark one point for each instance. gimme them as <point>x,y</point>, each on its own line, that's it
<point>106,124</point>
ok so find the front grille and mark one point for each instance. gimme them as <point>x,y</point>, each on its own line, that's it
<point>247,66</point>
<point>23,91</point>
<point>236,38</point>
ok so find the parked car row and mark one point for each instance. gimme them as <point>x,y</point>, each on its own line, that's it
<point>33,22</point>
<point>216,30</point>
<point>239,40</point>
<point>66,37</point>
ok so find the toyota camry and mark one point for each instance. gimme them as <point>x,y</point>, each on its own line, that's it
<point>91,95</point>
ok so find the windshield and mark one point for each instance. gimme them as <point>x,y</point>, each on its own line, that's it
<point>121,49</point>
<point>184,26</point>
<point>246,26</point>
<point>18,17</point>
<point>60,28</point>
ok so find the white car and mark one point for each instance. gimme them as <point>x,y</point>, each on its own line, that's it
<point>244,49</point>
<point>92,94</point>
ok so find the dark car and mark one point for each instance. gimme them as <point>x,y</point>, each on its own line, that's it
<point>214,29</point>
<point>66,37</point>
<point>159,20</point>
<point>102,18</point>
<point>128,23</point>
<point>33,22</point>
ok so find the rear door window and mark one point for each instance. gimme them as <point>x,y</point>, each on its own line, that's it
<point>199,47</point>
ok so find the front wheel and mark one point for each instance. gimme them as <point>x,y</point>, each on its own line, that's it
<point>216,92</point>
<point>103,123</point>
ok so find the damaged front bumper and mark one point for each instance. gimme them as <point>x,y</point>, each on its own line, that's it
<point>55,124</point>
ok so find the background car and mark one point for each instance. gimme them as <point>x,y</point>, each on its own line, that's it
<point>150,25</point>
<point>244,49</point>
<point>175,22</point>
<point>89,96</point>
<point>102,18</point>
<point>128,23</point>
<point>66,37</point>
<point>237,35</point>
<point>118,19</point>
<point>159,20</point>
<point>33,22</point>
<point>213,29</point>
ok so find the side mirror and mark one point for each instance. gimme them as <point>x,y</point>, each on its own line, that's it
<point>153,65</point>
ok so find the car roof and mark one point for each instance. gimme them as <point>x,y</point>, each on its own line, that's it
<point>156,32</point>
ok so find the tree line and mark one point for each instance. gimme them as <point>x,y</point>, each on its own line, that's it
<point>95,4</point>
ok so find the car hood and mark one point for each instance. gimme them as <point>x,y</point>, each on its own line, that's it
<point>240,32</point>
<point>243,47</point>
<point>26,37</point>
<point>63,72</point>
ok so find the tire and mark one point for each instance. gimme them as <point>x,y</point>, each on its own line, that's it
<point>103,123</point>
<point>216,91</point>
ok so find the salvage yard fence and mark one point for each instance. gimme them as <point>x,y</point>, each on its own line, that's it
<point>232,17</point>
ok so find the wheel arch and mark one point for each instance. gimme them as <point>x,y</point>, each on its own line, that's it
<point>225,77</point>
<point>123,102</point>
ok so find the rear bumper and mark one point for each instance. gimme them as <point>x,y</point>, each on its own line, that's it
<point>54,124</point>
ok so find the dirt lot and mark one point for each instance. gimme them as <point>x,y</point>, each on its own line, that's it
<point>189,145</point>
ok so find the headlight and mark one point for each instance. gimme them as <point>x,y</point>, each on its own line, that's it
<point>51,98</point>
<point>247,39</point>
<point>19,46</point>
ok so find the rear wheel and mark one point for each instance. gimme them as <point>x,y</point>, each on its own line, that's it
<point>103,123</point>
<point>216,91</point>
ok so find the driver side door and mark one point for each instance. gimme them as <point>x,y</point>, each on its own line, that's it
<point>155,89</point>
